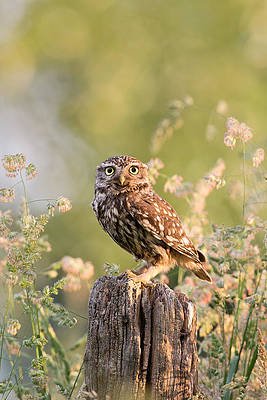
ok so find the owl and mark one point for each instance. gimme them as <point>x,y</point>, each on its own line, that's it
<point>141,222</point>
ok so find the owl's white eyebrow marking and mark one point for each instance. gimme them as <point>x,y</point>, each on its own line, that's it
<point>109,166</point>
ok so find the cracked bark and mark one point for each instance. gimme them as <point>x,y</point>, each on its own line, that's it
<point>141,342</point>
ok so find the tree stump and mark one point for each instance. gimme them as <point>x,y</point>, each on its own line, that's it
<point>141,342</point>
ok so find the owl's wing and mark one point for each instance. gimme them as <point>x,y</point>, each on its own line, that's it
<point>156,216</point>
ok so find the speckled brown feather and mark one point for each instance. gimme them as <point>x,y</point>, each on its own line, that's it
<point>141,222</point>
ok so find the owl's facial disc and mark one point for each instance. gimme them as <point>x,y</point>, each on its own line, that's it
<point>122,173</point>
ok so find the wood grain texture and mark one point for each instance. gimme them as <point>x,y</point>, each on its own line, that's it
<point>141,342</point>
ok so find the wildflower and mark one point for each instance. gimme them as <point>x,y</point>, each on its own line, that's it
<point>154,165</point>
<point>31,171</point>
<point>72,265</point>
<point>51,209</point>
<point>72,283</point>
<point>63,204</point>
<point>258,157</point>
<point>13,163</point>
<point>87,272</point>
<point>204,188</point>
<point>236,130</point>
<point>245,133</point>
<point>77,271</point>
<point>229,140</point>
<point>34,226</point>
<point>232,125</point>
<point>13,326</point>
<point>11,280</point>
<point>173,183</point>
<point>7,195</point>
<point>215,181</point>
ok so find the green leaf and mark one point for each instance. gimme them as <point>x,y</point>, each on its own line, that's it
<point>230,376</point>
<point>252,362</point>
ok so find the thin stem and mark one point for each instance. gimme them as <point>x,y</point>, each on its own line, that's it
<point>223,339</point>
<point>3,332</point>
<point>34,201</point>
<point>26,208</point>
<point>76,380</point>
<point>13,364</point>
<point>244,339</point>
<point>15,184</point>
<point>244,179</point>
<point>12,387</point>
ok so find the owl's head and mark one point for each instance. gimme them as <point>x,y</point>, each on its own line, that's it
<point>121,173</point>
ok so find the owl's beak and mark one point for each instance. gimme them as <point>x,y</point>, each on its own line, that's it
<point>122,179</point>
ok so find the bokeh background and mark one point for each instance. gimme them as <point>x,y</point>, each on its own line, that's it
<point>83,80</point>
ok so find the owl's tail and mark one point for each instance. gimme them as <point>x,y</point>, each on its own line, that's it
<point>198,268</point>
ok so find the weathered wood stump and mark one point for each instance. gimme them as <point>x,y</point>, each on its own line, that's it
<point>141,342</point>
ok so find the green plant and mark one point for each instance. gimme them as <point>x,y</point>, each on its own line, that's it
<point>233,310</point>
<point>37,353</point>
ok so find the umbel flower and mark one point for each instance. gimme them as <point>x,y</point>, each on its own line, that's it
<point>7,195</point>
<point>31,171</point>
<point>258,157</point>
<point>13,326</point>
<point>76,271</point>
<point>173,183</point>
<point>13,163</point>
<point>64,204</point>
<point>236,131</point>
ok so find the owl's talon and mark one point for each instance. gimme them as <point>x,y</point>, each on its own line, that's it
<point>138,278</point>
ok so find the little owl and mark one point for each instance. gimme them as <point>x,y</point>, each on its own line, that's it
<point>141,222</point>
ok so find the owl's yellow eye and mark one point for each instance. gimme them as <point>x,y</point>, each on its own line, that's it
<point>109,171</point>
<point>134,170</point>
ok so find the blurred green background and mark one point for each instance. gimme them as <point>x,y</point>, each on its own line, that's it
<point>83,80</point>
